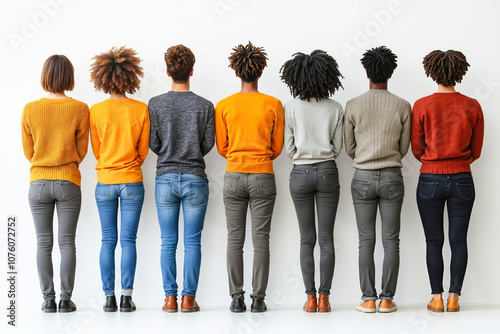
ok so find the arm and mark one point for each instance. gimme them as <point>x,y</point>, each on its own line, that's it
<point>221,131</point>
<point>208,140</point>
<point>278,131</point>
<point>94,138</point>
<point>338,134</point>
<point>143,143</point>
<point>290,147</point>
<point>349,138</point>
<point>27,139</point>
<point>476,142</point>
<point>404,140</point>
<point>82,135</point>
<point>154,137</point>
<point>417,133</point>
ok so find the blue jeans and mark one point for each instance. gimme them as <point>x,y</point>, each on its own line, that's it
<point>131,197</point>
<point>457,191</point>
<point>172,190</point>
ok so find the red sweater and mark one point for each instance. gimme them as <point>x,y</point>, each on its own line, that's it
<point>446,132</point>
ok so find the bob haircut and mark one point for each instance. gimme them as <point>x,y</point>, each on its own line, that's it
<point>58,74</point>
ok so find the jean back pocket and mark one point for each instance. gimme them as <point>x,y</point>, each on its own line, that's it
<point>230,183</point>
<point>427,190</point>
<point>35,191</point>
<point>198,193</point>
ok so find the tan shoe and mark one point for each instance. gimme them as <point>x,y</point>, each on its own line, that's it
<point>189,304</point>
<point>453,305</point>
<point>436,305</point>
<point>324,303</point>
<point>387,306</point>
<point>170,305</point>
<point>311,304</point>
<point>368,306</point>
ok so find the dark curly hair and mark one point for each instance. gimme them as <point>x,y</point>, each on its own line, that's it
<point>180,61</point>
<point>248,61</point>
<point>116,71</point>
<point>315,75</point>
<point>445,68</point>
<point>379,63</point>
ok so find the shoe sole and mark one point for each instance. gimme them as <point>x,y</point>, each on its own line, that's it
<point>169,310</point>
<point>66,310</point>
<point>127,309</point>
<point>49,310</point>
<point>365,309</point>
<point>187,310</point>
<point>437,310</point>
<point>108,309</point>
<point>310,310</point>
<point>258,311</point>
<point>238,311</point>
<point>387,310</point>
<point>453,309</point>
<point>323,310</point>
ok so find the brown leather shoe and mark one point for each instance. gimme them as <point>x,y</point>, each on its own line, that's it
<point>189,304</point>
<point>367,306</point>
<point>311,304</point>
<point>436,305</point>
<point>170,305</point>
<point>324,303</point>
<point>387,306</point>
<point>453,305</point>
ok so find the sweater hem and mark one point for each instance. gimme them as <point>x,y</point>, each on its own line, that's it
<point>251,168</point>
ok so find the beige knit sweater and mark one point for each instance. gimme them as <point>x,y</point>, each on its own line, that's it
<point>377,129</point>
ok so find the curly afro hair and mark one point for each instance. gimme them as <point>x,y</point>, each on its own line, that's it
<point>315,75</point>
<point>248,61</point>
<point>379,63</point>
<point>180,61</point>
<point>116,71</point>
<point>445,68</point>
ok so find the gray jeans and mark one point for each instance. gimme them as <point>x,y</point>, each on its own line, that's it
<point>383,188</point>
<point>309,183</point>
<point>66,197</point>
<point>240,190</point>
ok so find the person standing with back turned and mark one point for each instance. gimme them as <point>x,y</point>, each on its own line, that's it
<point>249,132</point>
<point>446,136</point>
<point>377,136</point>
<point>182,133</point>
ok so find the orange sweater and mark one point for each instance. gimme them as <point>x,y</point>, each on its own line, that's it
<point>119,131</point>
<point>55,135</point>
<point>249,131</point>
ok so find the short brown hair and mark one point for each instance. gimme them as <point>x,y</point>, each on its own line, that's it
<point>116,71</point>
<point>58,74</point>
<point>445,68</point>
<point>180,61</point>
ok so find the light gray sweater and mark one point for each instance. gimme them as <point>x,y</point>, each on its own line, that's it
<point>377,129</point>
<point>313,130</point>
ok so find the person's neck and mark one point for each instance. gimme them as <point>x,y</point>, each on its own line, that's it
<point>57,96</point>
<point>118,96</point>
<point>446,89</point>
<point>249,87</point>
<point>180,86</point>
<point>378,86</point>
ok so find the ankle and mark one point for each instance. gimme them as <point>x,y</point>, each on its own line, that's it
<point>452,295</point>
<point>437,296</point>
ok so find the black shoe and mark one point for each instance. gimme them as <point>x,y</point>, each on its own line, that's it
<point>238,304</point>
<point>110,304</point>
<point>258,305</point>
<point>49,306</point>
<point>126,304</point>
<point>66,306</point>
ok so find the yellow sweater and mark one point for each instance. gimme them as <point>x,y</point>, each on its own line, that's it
<point>55,135</point>
<point>119,131</point>
<point>249,131</point>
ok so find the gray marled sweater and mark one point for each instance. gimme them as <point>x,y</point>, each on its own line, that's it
<point>182,132</point>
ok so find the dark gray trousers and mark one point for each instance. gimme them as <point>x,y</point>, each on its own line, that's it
<point>258,191</point>
<point>309,183</point>
<point>65,196</point>
<point>382,188</point>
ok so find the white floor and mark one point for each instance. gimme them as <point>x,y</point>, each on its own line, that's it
<point>474,319</point>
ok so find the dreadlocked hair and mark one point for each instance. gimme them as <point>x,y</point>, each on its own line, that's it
<point>315,75</point>
<point>445,68</point>
<point>379,63</point>
<point>116,71</point>
<point>248,61</point>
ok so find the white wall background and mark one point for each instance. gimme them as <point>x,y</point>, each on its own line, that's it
<point>33,30</point>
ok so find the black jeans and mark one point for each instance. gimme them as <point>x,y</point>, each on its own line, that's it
<point>318,181</point>
<point>433,191</point>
